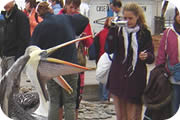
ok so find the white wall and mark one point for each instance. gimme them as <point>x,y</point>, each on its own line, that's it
<point>97,10</point>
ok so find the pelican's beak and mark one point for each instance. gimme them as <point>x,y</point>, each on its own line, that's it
<point>54,60</point>
<point>61,81</point>
<point>51,68</point>
<point>53,49</point>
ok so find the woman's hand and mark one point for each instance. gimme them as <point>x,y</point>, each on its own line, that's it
<point>143,55</point>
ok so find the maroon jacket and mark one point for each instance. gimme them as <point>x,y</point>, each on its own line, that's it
<point>171,50</point>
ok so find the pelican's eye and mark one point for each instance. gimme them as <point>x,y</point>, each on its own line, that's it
<point>43,54</point>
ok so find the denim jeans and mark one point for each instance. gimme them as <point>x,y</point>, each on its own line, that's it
<point>176,98</point>
<point>103,92</point>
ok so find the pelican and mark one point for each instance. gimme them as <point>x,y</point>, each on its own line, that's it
<point>39,69</point>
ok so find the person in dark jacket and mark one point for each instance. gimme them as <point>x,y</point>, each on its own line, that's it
<point>52,31</point>
<point>133,49</point>
<point>72,7</point>
<point>17,34</point>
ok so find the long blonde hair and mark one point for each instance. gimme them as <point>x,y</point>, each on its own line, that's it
<point>137,11</point>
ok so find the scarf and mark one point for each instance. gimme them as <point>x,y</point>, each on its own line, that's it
<point>134,44</point>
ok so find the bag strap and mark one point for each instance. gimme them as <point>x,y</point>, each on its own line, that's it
<point>167,60</point>
<point>167,34</point>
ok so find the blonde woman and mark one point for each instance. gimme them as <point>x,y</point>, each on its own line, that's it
<point>133,49</point>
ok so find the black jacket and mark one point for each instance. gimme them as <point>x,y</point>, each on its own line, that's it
<point>2,24</point>
<point>17,33</point>
<point>57,29</point>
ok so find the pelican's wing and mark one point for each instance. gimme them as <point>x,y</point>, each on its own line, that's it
<point>3,116</point>
<point>51,67</point>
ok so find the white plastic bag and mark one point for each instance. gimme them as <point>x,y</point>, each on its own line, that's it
<point>103,67</point>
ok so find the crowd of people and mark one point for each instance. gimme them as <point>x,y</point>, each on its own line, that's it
<point>47,24</point>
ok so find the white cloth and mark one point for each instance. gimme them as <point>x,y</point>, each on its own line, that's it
<point>103,67</point>
<point>134,44</point>
<point>172,81</point>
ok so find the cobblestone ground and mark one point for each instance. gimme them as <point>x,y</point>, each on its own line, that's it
<point>89,110</point>
<point>96,111</point>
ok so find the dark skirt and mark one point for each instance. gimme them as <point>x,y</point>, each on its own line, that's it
<point>124,86</point>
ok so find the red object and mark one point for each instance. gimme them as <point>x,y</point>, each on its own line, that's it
<point>102,40</point>
<point>81,82</point>
<point>62,11</point>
